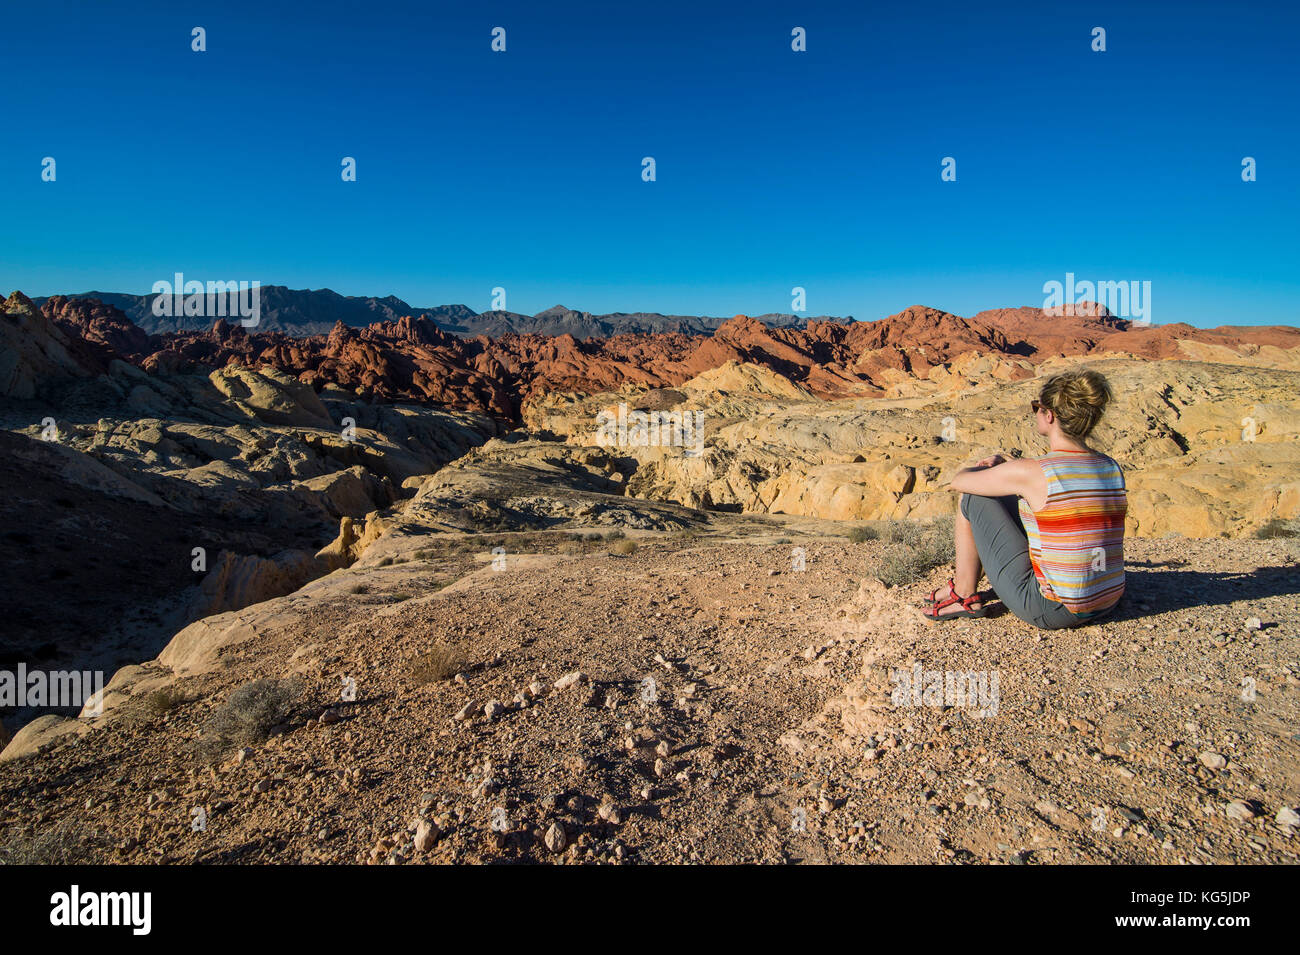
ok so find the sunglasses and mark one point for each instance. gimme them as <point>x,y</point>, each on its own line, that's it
<point>1036,405</point>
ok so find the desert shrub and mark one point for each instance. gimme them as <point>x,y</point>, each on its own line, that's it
<point>398,596</point>
<point>912,550</point>
<point>386,562</point>
<point>250,713</point>
<point>594,536</point>
<point>359,589</point>
<point>55,844</point>
<point>572,548</point>
<point>615,535</point>
<point>859,535</point>
<point>624,547</point>
<point>1277,527</point>
<point>440,663</point>
<point>163,700</point>
<point>903,532</point>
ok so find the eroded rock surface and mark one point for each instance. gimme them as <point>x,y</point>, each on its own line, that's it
<point>1208,449</point>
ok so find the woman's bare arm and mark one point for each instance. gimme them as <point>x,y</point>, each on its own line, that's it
<point>1020,476</point>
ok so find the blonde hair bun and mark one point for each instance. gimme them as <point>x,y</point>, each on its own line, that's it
<point>1078,398</point>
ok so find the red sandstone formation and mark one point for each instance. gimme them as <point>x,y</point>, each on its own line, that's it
<point>412,360</point>
<point>98,324</point>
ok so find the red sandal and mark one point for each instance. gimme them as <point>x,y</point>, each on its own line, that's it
<point>933,599</point>
<point>965,613</point>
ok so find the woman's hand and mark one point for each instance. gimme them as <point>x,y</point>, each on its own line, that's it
<point>992,462</point>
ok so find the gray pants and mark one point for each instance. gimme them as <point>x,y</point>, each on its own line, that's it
<point>1004,551</point>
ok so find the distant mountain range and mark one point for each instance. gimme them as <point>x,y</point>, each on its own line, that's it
<point>413,361</point>
<point>302,313</point>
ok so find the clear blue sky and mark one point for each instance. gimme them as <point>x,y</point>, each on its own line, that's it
<point>775,169</point>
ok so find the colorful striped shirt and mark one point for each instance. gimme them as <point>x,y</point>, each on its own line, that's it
<point>1076,542</point>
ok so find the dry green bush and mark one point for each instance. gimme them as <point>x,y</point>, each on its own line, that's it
<point>913,549</point>
<point>860,535</point>
<point>432,666</point>
<point>623,547</point>
<point>163,700</point>
<point>56,844</point>
<point>249,715</point>
<point>1285,532</point>
<point>1276,528</point>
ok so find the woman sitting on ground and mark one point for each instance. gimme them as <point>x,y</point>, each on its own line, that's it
<point>1049,532</point>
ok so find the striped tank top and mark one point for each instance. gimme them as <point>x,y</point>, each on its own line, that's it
<point>1076,542</point>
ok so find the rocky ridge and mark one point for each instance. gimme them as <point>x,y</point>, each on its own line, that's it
<point>920,350</point>
<point>305,312</point>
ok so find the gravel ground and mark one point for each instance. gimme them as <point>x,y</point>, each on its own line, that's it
<point>714,704</point>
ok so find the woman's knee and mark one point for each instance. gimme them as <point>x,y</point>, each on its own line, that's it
<point>981,503</point>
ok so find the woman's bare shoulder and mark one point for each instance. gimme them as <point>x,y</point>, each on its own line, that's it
<point>1033,482</point>
<point>1027,466</point>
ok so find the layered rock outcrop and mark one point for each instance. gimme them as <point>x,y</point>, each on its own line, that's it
<point>1208,450</point>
